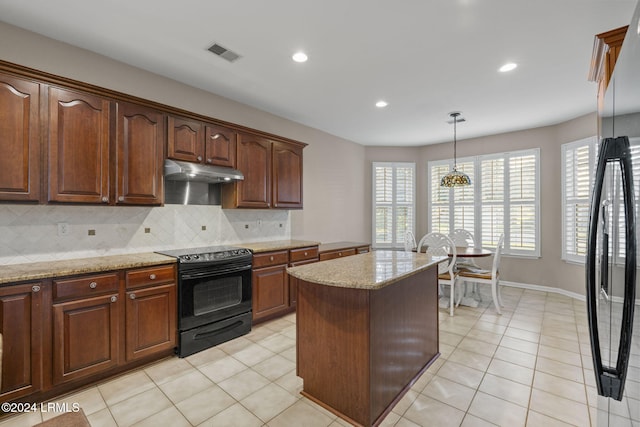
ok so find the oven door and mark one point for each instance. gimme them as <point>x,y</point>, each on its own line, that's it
<point>211,294</point>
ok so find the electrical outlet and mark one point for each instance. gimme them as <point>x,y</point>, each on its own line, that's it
<point>63,229</point>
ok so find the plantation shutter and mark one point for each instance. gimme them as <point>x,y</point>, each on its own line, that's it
<point>394,203</point>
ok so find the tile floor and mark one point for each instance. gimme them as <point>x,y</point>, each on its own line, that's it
<point>529,367</point>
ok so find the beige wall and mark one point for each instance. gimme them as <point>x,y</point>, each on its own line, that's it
<point>337,172</point>
<point>333,167</point>
<point>549,269</point>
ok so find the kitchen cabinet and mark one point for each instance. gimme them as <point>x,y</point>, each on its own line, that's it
<point>19,139</point>
<point>139,151</point>
<point>78,135</point>
<point>270,293</point>
<point>253,159</point>
<point>342,249</point>
<point>606,49</point>
<point>21,325</point>
<point>86,326</point>
<point>151,311</point>
<point>198,142</point>
<point>272,175</point>
<point>287,175</point>
<point>273,293</point>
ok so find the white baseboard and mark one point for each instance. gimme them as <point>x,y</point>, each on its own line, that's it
<point>544,289</point>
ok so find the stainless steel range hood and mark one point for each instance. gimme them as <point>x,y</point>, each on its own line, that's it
<point>175,170</point>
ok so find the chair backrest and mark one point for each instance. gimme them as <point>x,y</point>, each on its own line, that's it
<point>439,244</point>
<point>409,241</point>
<point>463,238</point>
<point>495,268</point>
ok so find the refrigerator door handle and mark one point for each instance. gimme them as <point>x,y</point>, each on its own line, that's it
<point>610,380</point>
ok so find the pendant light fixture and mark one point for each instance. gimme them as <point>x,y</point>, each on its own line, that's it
<point>455,178</point>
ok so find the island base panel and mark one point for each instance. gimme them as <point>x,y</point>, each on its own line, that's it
<point>359,350</point>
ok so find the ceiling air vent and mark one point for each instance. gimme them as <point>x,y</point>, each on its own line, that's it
<point>223,52</point>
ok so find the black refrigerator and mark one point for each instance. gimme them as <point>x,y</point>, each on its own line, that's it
<point>611,264</point>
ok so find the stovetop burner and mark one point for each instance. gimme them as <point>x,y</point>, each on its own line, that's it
<point>206,253</point>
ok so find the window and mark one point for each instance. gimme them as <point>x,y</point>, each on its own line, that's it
<point>578,173</point>
<point>579,160</point>
<point>393,203</point>
<point>503,198</point>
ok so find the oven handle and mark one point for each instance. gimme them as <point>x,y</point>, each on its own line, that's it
<point>212,273</point>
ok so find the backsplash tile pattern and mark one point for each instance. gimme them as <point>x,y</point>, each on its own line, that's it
<point>30,233</point>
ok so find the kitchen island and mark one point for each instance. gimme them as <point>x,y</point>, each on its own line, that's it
<point>367,328</point>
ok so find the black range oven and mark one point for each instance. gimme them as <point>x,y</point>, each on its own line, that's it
<point>214,296</point>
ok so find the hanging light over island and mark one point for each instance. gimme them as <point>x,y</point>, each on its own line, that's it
<point>455,178</point>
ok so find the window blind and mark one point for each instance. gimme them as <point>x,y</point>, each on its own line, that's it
<point>394,203</point>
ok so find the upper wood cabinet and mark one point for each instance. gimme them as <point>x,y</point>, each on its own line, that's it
<point>139,155</point>
<point>606,48</point>
<point>254,161</point>
<point>287,175</point>
<point>220,146</point>
<point>79,135</point>
<point>197,142</point>
<point>272,175</point>
<point>19,139</point>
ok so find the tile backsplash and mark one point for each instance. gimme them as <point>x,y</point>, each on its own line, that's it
<point>37,233</point>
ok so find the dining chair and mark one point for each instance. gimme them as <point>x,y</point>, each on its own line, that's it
<point>409,241</point>
<point>478,276</point>
<point>464,239</point>
<point>439,244</point>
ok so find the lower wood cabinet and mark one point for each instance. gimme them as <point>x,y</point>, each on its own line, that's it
<point>273,294</point>
<point>85,337</point>
<point>21,325</point>
<point>63,333</point>
<point>151,321</point>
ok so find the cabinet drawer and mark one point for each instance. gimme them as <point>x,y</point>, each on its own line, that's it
<point>270,258</point>
<point>302,254</point>
<point>85,286</point>
<point>150,276</point>
<point>337,254</point>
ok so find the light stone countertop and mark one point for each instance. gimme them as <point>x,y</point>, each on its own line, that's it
<point>373,270</point>
<point>40,270</point>
<point>276,245</point>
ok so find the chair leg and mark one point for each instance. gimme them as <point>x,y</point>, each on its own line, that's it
<point>494,294</point>
<point>499,293</point>
<point>453,297</point>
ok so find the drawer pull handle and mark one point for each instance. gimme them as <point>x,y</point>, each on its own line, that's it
<point>132,296</point>
<point>93,285</point>
<point>199,158</point>
<point>114,298</point>
<point>152,276</point>
<point>35,288</point>
<point>121,199</point>
<point>339,253</point>
<point>305,254</point>
<point>271,258</point>
<point>105,200</point>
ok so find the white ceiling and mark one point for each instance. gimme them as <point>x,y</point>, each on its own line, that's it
<point>426,58</point>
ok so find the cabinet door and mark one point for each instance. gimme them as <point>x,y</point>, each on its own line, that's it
<point>151,321</point>
<point>85,337</point>
<point>270,291</point>
<point>287,176</point>
<point>220,146</point>
<point>254,160</point>
<point>78,147</point>
<point>185,139</point>
<point>21,327</point>
<point>139,155</point>
<point>19,140</point>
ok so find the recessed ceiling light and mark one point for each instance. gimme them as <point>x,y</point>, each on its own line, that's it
<point>381,104</point>
<point>508,67</point>
<point>300,57</point>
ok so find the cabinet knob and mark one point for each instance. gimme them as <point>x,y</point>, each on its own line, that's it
<point>132,296</point>
<point>105,199</point>
<point>152,276</point>
<point>199,158</point>
<point>305,254</point>
<point>209,160</point>
<point>35,288</point>
<point>271,258</point>
<point>339,253</point>
<point>93,285</point>
<point>114,298</point>
<point>121,199</point>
